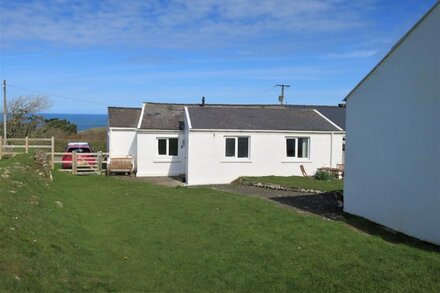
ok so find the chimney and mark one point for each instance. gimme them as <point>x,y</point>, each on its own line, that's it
<point>203,101</point>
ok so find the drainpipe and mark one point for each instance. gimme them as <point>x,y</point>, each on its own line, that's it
<point>331,149</point>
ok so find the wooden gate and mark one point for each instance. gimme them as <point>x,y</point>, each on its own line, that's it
<point>81,163</point>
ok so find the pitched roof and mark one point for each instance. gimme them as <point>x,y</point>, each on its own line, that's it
<point>335,113</point>
<point>166,116</point>
<point>258,118</point>
<point>162,116</point>
<point>123,117</point>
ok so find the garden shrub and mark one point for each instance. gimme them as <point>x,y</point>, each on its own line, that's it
<point>324,175</point>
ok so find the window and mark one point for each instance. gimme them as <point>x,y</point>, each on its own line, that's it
<point>230,147</point>
<point>297,147</point>
<point>237,147</point>
<point>168,146</point>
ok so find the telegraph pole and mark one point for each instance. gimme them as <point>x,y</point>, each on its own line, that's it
<point>5,110</point>
<point>282,86</point>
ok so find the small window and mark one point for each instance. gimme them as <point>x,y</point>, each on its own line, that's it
<point>172,146</point>
<point>230,147</point>
<point>162,145</point>
<point>303,147</point>
<point>168,146</point>
<point>243,147</point>
<point>237,147</point>
<point>297,147</point>
<point>290,147</point>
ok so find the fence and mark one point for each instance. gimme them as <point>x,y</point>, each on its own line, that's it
<point>76,163</point>
<point>14,146</point>
<point>81,163</point>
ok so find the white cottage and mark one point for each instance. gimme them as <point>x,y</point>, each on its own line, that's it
<point>392,173</point>
<point>215,144</point>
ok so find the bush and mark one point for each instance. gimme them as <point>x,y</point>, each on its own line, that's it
<point>324,175</point>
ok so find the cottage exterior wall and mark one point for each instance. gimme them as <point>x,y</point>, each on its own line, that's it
<point>150,163</point>
<point>122,142</point>
<point>393,138</point>
<point>207,163</point>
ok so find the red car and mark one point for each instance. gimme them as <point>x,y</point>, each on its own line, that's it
<point>83,151</point>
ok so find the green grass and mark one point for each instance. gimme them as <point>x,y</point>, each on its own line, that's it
<point>299,182</point>
<point>115,235</point>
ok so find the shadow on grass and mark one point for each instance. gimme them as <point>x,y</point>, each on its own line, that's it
<point>326,205</point>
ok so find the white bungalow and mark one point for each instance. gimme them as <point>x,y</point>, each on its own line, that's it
<point>216,144</point>
<point>392,173</point>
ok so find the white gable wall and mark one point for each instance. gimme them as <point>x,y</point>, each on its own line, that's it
<point>207,163</point>
<point>393,138</point>
<point>150,163</point>
<point>122,142</point>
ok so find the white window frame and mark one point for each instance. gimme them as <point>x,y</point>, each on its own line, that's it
<point>296,147</point>
<point>235,157</point>
<point>167,139</point>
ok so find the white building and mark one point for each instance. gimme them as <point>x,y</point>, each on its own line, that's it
<point>215,144</point>
<point>392,172</point>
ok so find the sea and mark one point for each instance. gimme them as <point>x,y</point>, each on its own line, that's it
<point>83,121</point>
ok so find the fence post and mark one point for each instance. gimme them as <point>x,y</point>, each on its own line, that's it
<point>26,145</point>
<point>1,147</point>
<point>99,162</point>
<point>52,153</point>
<point>74,163</point>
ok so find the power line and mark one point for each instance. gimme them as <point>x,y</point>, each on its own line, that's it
<point>57,95</point>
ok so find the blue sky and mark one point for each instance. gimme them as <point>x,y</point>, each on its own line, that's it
<point>88,55</point>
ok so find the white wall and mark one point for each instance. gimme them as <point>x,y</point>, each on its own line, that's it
<point>207,163</point>
<point>122,142</point>
<point>393,138</point>
<point>148,160</point>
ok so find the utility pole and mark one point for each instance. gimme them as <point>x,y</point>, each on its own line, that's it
<point>5,110</point>
<point>282,86</point>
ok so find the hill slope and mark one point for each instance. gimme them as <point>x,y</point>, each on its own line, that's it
<point>114,235</point>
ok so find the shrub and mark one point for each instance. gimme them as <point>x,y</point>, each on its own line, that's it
<point>324,175</point>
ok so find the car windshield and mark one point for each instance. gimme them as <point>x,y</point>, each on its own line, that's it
<point>78,150</point>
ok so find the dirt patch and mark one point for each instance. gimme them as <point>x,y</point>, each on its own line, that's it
<point>323,204</point>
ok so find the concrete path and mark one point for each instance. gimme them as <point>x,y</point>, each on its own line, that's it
<point>163,181</point>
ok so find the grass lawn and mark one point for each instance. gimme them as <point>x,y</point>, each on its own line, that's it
<point>115,235</point>
<point>299,182</point>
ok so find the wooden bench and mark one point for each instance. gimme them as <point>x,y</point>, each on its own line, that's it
<point>120,165</point>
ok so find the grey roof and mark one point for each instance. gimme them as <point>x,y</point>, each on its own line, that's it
<point>123,117</point>
<point>162,116</point>
<point>335,113</point>
<point>258,118</point>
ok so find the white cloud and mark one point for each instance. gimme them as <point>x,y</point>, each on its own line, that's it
<point>175,23</point>
<point>352,54</point>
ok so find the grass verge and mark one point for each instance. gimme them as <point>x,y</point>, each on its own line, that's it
<point>115,235</point>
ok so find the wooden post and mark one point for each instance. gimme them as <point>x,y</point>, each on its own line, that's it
<point>1,147</point>
<point>26,145</point>
<point>74,163</point>
<point>52,153</point>
<point>99,159</point>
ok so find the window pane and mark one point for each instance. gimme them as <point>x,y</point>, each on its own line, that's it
<point>162,146</point>
<point>243,147</point>
<point>173,147</point>
<point>290,147</point>
<point>230,147</point>
<point>303,147</point>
